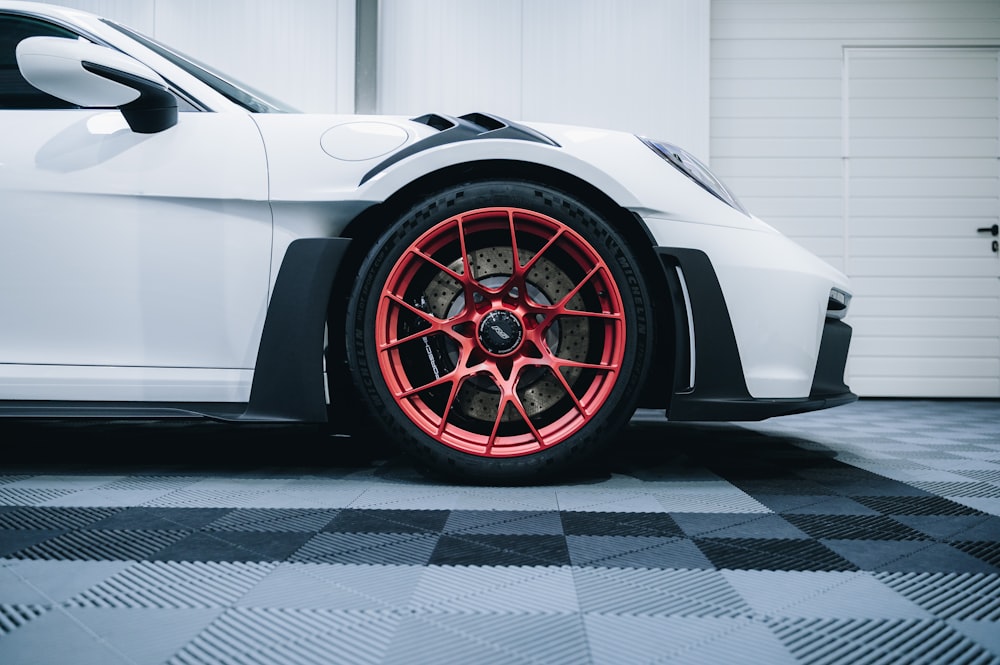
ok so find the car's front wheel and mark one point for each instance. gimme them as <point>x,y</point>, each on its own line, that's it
<point>498,331</point>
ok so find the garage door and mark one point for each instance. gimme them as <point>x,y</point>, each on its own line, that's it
<point>922,203</point>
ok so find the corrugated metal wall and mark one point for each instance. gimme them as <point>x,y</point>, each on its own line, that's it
<point>883,164</point>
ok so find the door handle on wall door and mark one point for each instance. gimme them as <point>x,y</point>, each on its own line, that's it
<point>994,230</point>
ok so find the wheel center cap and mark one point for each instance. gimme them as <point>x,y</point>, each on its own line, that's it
<point>500,332</point>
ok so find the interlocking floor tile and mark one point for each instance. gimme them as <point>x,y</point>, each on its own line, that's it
<point>292,636</point>
<point>877,640</point>
<point>232,546</point>
<point>504,522</point>
<point>683,640</point>
<point>869,533</point>
<point>579,523</point>
<point>818,504</point>
<point>854,527</point>
<point>500,550</point>
<point>388,521</point>
<point>159,519</point>
<point>335,586</point>
<point>771,554</point>
<point>888,555</point>
<point>273,520</point>
<point>500,638</point>
<point>147,636</point>
<point>495,590</point>
<point>57,638</point>
<point>51,583</point>
<point>915,505</point>
<point>845,595</point>
<point>636,552</point>
<point>643,592</point>
<point>173,585</point>
<point>738,525</point>
<point>368,548</point>
<point>92,545</point>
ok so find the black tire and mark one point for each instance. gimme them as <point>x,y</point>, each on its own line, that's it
<point>491,370</point>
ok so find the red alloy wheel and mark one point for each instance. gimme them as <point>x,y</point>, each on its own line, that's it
<point>500,332</point>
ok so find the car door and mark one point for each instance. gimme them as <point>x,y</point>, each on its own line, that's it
<point>132,266</point>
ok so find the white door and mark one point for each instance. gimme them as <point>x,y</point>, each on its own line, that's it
<point>132,266</point>
<point>129,251</point>
<point>922,148</point>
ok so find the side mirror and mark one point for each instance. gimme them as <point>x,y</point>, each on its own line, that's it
<point>95,76</point>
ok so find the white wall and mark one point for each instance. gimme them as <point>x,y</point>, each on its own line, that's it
<point>776,102</point>
<point>299,51</point>
<point>862,165</point>
<point>635,65</point>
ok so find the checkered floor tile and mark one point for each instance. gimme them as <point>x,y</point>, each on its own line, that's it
<point>869,533</point>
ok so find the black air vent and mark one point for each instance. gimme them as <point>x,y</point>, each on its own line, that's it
<point>488,122</point>
<point>469,127</point>
<point>436,121</point>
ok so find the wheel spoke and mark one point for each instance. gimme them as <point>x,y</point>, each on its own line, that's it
<point>584,314</point>
<point>436,326</point>
<point>508,395</point>
<point>466,266</point>
<point>600,367</point>
<point>569,391</point>
<point>458,277</point>
<point>455,386</point>
<point>447,378</point>
<point>395,343</point>
<point>413,309</point>
<point>513,242</point>
<point>526,268</point>
<point>576,289</point>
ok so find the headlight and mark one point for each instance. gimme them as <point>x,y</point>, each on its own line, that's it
<point>689,165</point>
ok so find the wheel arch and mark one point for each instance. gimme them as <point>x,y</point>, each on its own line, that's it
<point>365,229</point>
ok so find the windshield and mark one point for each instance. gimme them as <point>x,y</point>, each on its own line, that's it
<point>240,93</point>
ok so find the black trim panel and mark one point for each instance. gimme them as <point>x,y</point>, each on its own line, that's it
<point>154,110</point>
<point>463,128</point>
<point>114,410</point>
<point>288,382</point>
<point>829,376</point>
<point>720,391</point>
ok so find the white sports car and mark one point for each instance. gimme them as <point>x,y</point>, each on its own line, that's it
<point>498,296</point>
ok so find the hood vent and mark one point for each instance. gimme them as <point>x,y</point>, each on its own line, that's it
<point>468,127</point>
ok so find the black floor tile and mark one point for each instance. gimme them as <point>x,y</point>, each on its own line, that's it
<point>499,550</point>
<point>388,521</point>
<point>232,546</point>
<point>619,524</point>
<point>767,554</point>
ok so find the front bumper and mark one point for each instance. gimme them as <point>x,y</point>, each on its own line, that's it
<point>709,382</point>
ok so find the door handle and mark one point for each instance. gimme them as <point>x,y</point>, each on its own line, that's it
<point>993,230</point>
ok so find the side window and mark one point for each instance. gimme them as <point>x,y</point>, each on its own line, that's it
<point>15,92</point>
